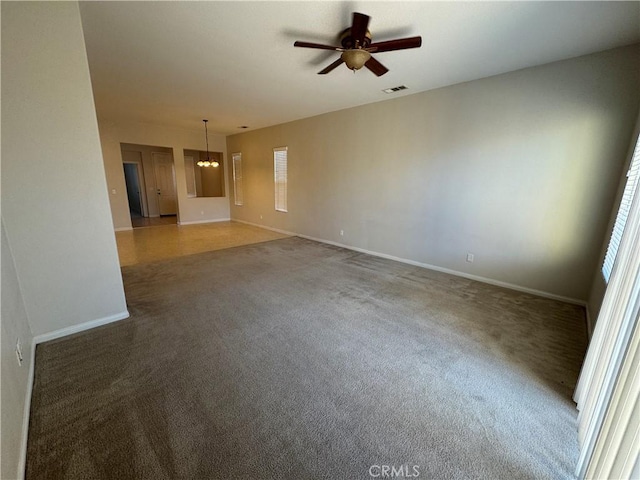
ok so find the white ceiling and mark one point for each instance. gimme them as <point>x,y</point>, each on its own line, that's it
<point>175,63</point>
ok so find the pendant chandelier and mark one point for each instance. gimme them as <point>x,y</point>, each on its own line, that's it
<point>209,162</point>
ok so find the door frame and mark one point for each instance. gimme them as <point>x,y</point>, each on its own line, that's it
<point>608,390</point>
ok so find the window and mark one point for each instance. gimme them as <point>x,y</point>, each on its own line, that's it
<point>238,194</point>
<point>280,177</point>
<point>623,212</point>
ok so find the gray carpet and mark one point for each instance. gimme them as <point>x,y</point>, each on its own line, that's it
<point>297,360</point>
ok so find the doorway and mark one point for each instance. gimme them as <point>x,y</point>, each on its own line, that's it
<point>150,182</point>
<point>132,178</point>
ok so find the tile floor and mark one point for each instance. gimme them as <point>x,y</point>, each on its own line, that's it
<point>138,222</point>
<point>144,245</point>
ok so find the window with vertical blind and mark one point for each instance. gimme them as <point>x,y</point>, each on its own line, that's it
<point>238,194</point>
<point>623,212</point>
<point>280,177</point>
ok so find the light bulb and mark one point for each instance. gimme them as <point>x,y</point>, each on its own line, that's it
<point>200,163</point>
<point>207,163</point>
<point>215,164</point>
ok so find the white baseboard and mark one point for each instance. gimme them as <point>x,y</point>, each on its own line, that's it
<point>45,337</point>
<point>22,462</point>
<point>277,230</point>
<point>123,229</point>
<point>217,220</point>
<point>63,332</point>
<point>490,281</point>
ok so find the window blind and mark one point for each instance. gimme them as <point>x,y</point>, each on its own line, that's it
<point>190,173</point>
<point>280,177</point>
<point>623,212</point>
<point>238,194</point>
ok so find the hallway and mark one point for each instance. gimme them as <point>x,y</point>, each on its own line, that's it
<point>138,221</point>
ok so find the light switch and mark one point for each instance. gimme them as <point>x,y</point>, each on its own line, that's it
<point>113,191</point>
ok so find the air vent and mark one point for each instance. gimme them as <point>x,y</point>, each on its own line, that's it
<point>394,89</point>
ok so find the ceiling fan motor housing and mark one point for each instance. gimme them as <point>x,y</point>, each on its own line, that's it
<point>347,42</point>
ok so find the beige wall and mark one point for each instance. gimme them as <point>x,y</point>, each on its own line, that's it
<point>59,261</point>
<point>190,210</point>
<point>213,178</point>
<point>598,285</point>
<point>63,243</point>
<point>519,169</point>
<point>15,378</point>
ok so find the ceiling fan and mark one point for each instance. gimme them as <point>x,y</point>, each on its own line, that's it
<point>357,47</point>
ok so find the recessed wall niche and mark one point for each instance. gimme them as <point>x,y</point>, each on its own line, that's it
<point>203,181</point>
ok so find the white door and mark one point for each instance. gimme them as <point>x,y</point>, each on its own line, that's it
<point>165,183</point>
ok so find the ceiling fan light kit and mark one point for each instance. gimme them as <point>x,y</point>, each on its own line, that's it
<point>357,47</point>
<point>355,59</point>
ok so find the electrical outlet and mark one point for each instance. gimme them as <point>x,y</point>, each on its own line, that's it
<point>19,351</point>
<point>342,233</point>
<point>470,257</point>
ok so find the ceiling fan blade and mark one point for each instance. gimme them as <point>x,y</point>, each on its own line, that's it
<point>316,45</point>
<point>359,27</point>
<point>399,44</point>
<point>376,67</point>
<point>335,64</point>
